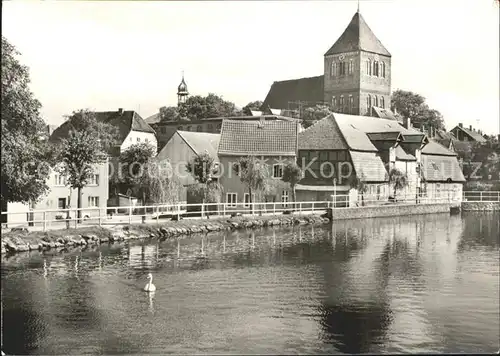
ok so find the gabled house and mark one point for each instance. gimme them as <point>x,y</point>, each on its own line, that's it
<point>182,147</point>
<point>352,145</point>
<point>467,134</point>
<point>273,142</point>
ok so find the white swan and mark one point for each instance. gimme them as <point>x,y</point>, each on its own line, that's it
<point>150,287</point>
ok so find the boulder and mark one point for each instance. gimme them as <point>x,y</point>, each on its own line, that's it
<point>34,247</point>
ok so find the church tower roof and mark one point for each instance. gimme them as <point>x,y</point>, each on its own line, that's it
<point>358,37</point>
<point>182,88</point>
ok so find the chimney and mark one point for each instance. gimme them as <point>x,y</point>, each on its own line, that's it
<point>261,122</point>
<point>460,125</point>
<point>406,122</point>
<point>120,111</point>
<point>470,127</point>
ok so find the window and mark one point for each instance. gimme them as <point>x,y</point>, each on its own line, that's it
<point>188,128</point>
<point>60,180</point>
<point>376,101</point>
<point>246,200</point>
<point>163,130</point>
<point>332,156</point>
<point>61,203</point>
<point>382,102</point>
<point>323,156</point>
<point>342,68</point>
<point>231,199</point>
<point>131,139</point>
<point>277,171</point>
<point>382,69</point>
<point>375,68</point>
<point>180,128</point>
<point>284,198</point>
<point>198,128</point>
<point>93,202</point>
<point>368,67</point>
<point>369,100</point>
<point>351,104</point>
<point>210,127</point>
<point>341,156</point>
<point>351,67</point>
<point>219,126</point>
<point>334,102</point>
<point>341,103</point>
<point>438,190</point>
<point>138,139</point>
<point>94,179</point>
<point>333,71</point>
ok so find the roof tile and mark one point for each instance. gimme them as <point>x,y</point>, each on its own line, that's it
<point>323,135</point>
<point>303,89</point>
<point>259,137</point>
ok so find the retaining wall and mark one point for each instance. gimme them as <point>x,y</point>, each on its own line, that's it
<point>388,210</point>
<point>480,206</point>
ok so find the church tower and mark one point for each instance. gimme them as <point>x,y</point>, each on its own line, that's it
<point>182,91</point>
<point>357,73</point>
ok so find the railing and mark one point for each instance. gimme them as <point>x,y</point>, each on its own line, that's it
<point>483,196</point>
<point>65,218</point>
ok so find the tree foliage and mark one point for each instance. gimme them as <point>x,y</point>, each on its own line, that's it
<point>398,179</point>
<point>252,173</point>
<point>413,106</point>
<point>253,105</point>
<point>292,174</point>
<point>86,145</point>
<point>313,114</point>
<point>358,182</point>
<point>26,155</point>
<point>202,168</point>
<point>198,107</point>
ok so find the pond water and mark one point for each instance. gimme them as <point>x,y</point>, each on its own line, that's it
<point>390,285</point>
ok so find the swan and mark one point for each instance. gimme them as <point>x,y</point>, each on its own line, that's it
<point>150,287</point>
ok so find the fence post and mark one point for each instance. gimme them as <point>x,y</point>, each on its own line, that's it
<point>44,221</point>
<point>223,209</point>
<point>312,207</point>
<point>481,196</point>
<point>130,215</point>
<point>202,209</point>
<point>178,211</point>
<point>157,214</point>
<point>274,208</point>
<point>300,208</point>
<point>76,218</point>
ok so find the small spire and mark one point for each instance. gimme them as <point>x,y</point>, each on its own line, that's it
<point>358,6</point>
<point>183,74</point>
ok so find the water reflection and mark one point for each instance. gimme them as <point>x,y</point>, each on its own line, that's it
<point>407,284</point>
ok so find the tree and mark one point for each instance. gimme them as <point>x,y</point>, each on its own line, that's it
<point>411,105</point>
<point>253,105</point>
<point>86,145</point>
<point>313,114</point>
<point>253,174</point>
<point>136,162</point>
<point>358,182</point>
<point>292,174</point>
<point>198,107</point>
<point>398,179</point>
<point>202,168</point>
<point>26,155</point>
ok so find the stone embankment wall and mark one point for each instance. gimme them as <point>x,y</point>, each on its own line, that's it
<point>388,210</point>
<point>480,206</point>
<point>19,241</point>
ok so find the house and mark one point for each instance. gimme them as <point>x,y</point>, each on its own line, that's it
<point>131,129</point>
<point>340,146</point>
<point>165,129</point>
<point>442,174</point>
<point>60,196</point>
<point>355,78</point>
<point>272,142</point>
<point>467,134</point>
<point>182,147</point>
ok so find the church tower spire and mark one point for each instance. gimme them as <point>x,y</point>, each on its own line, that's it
<point>182,91</point>
<point>357,70</point>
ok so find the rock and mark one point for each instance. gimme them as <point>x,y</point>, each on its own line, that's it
<point>234,225</point>
<point>34,247</point>
<point>52,244</point>
<point>104,239</point>
<point>19,229</point>
<point>83,242</point>
<point>60,240</point>
<point>163,231</point>
<point>59,245</point>
<point>151,235</point>
<point>46,238</point>
<point>45,245</point>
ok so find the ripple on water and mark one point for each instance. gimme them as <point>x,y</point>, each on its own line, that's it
<point>381,286</point>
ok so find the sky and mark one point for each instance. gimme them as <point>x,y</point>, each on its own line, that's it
<point>109,55</point>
